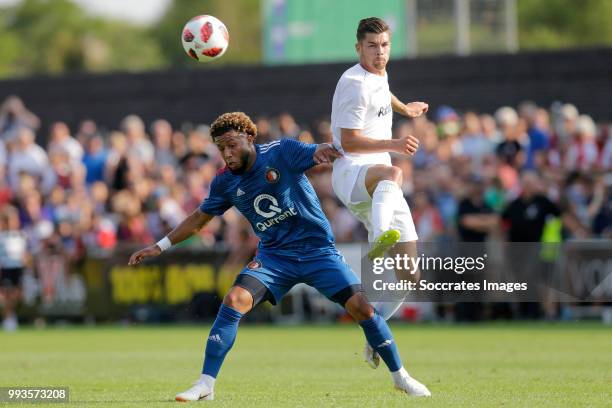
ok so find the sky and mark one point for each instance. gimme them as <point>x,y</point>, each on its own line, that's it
<point>135,11</point>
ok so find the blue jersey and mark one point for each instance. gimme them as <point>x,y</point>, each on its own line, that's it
<point>277,199</point>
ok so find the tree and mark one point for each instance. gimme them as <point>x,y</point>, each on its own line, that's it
<point>564,23</point>
<point>55,36</point>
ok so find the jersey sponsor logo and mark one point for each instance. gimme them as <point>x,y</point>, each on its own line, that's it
<point>273,207</point>
<point>384,110</point>
<point>254,264</point>
<point>239,192</point>
<point>267,206</point>
<point>272,175</point>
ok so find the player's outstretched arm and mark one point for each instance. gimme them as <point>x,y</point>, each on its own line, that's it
<point>354,141</point>
<point>410,109</point>
<point>189,226</point>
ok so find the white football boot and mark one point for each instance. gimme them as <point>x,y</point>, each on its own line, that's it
<point>404,382</point>
<point>199,391</point>
<point>371,356</point>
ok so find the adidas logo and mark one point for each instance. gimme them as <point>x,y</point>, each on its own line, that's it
<point>385,343</point>
<point>216,338</point>
<point>239,192</point>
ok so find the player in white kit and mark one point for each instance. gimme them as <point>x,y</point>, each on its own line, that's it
<point>364,179</point>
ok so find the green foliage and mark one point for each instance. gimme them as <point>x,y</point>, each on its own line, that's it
<point>55,36</point>
<point>10,46</point>
<point>49,33</point>
<point>564,23</point>
<point>113,45</point>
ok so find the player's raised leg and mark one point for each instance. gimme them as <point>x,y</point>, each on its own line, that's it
<point>222,336</point>
<point>383,185</point>
<point>388,308</point>
<point>378,335</point>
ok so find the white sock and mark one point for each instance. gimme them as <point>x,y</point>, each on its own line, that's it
<point>208,380</point>
<point>384,201</point>
<point>387,309</point>
<point>399,374</point>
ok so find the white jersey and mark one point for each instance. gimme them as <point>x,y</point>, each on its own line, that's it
<point>12,249</point>
<point>362,100</point>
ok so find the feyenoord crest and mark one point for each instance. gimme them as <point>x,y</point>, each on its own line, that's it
<point>254,264</point>
<point>272,175</point>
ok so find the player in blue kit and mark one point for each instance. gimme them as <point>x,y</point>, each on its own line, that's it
<point>266,183</point>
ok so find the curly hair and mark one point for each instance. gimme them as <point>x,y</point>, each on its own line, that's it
<point>371,25</point>
<point>237,121</point>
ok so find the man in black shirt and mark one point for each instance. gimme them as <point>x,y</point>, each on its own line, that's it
<point>475,218</point>
<point>525,216</point>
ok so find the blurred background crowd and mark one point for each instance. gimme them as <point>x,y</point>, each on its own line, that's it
<point>523,174</point>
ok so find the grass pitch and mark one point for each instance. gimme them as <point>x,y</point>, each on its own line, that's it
<point>556,365</point>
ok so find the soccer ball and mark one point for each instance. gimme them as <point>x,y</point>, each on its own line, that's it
<point>205,38</point>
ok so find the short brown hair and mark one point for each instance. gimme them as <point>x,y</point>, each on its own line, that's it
<point>371,25</point>
<point>237,121</point>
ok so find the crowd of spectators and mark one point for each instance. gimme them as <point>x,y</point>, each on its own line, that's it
<point>476,175</point>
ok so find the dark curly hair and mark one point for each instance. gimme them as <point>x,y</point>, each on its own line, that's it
<point>237,121</point>
<point>371,25</point>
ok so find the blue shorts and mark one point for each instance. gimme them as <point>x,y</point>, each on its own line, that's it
<point>325,271</point>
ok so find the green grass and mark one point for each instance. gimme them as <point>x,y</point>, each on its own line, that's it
<point>511,365</point>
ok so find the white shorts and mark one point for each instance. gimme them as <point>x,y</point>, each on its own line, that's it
<point>348,182</point>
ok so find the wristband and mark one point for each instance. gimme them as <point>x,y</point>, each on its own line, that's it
<point>164,243</point>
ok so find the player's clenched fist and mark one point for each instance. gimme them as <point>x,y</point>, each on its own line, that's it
<point>137,257</point>
<point>325,153</point>
<point>406,145</point>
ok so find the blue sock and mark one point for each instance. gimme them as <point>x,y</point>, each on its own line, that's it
<point>221,339</point>
<point>379,336</point>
